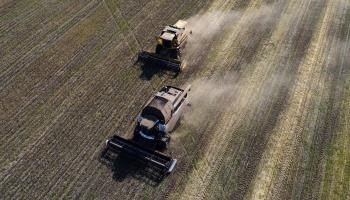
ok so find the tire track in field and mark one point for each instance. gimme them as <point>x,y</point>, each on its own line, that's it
<point>107,183</point>
<point>34,53</point>
<point>193,149</point>
<point>285,139</point>
<point>34,19</point>
<point>33,29</point>
<point>158,84</point>
<point>60,141</point>
<point>219,141</point>
<point>335,180</point>
<point>18,11</point>
<point>296,54</point>
<point>283,185</point>
<point>124,183</point>
<point>243,57</point>
<point>326,121</point>
<point>97,144</point>
<point>313,153</point>
<point>131,40</point>
<point>259,127</point>
<point>225,5</point>
<point>89,141</point>
<point>241,145</point>
<point>40,90</point>
<point>24,108</point>
<point>77,120</point>
<point>327,85</point>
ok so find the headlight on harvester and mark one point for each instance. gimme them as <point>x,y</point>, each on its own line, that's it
<point>160,41</point>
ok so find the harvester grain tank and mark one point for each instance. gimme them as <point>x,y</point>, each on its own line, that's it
<point>154,126</point>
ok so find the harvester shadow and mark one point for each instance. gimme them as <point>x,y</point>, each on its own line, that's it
<point>124,167</point>
<point>150,69</point>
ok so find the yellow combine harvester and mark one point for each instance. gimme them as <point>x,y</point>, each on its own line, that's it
<point>169,47</point>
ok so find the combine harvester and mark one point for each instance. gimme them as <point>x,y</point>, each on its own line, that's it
<point>154,124</point>
<point>171,41</point>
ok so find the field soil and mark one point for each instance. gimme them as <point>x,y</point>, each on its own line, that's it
<point>270,114</point>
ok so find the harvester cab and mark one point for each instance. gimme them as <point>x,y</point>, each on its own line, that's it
<point>169,47</point>
<point>153,129</point>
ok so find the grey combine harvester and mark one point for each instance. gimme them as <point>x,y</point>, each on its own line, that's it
<point>170,43</point>
<point>153,128</point>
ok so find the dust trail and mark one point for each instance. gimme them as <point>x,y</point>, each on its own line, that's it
<point>211,95</point>
<point>310,88</point>
<point>206,27</point>
<point>210,26</point>
<point>220,93</point>
<point>235,95</point>
<point>208,97</point>
<point>226,100</point>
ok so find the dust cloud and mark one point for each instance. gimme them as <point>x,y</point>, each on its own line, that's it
<point>205,29</point>
<point>209,96</point>
<point>219,92</point>
<point>214,95</point>
<point>211,26</point>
